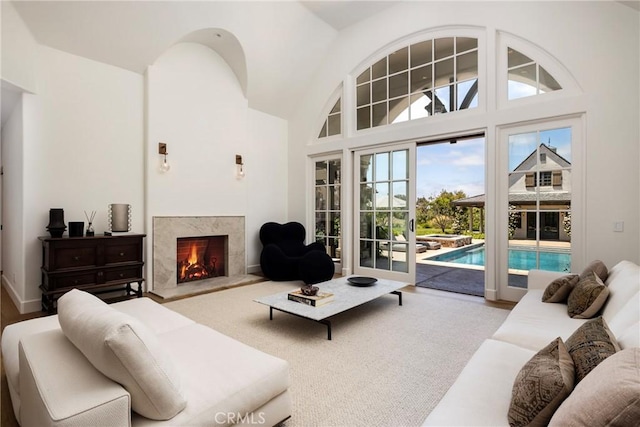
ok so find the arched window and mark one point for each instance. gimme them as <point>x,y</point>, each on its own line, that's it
<point>426,78</point>
<point>333,123</point>
<point>527,77</point>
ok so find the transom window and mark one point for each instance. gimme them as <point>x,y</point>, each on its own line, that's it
<point>333,123</point>
<point>426,78</point>
<point>526,77</point>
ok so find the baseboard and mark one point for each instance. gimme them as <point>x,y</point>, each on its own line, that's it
<point>254,269</point>
<point>491,294</point>
<point>23,307</point>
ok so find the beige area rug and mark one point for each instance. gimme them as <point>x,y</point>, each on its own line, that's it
<point>386,365</point>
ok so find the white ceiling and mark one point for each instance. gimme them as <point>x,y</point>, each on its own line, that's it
<point>342,14</point>
<point>133,34</point>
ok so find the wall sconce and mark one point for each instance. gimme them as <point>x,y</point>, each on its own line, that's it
<point>162,149</point>
<point>239,167</point>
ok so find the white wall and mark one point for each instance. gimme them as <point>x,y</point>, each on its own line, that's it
<point>18,50</point>
<point>196,105</point>
<point>13,205</point>
<point>577,35</point>
<point>83,150</point>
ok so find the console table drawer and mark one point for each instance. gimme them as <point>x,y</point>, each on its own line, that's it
<point>124,252</point>
<point>75,257</point>
<point>70,281</point>
<point>122,274</point>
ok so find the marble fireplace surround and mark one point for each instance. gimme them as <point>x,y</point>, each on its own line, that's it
<point>166,231</point>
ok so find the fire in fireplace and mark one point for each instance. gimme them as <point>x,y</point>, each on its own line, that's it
<point>200,258</point>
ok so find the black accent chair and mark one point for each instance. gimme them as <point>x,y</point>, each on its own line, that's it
<point>285,256</point>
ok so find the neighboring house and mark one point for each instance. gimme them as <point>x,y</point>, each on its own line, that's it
<point>541,183</point>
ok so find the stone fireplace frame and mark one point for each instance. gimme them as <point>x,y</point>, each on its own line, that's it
<point>167,229</point>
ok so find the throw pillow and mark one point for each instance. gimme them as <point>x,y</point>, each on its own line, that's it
<point>587,297</point>
<point>541,386</point>
<point>589,345</point>
<point>124,350</point>
<point>609,396</point>
<point>559,289</point>
<point>598,268</point>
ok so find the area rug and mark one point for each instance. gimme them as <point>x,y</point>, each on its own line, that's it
<point>387,365</point>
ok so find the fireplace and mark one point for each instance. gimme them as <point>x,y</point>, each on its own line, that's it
<point>201,257</point>
<point>169,231</point>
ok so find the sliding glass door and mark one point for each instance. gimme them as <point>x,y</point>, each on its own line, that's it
<point>384,207</point>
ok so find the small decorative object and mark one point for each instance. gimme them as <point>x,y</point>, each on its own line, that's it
<point>90,218</point>
<point>120,217</point>
<point>361,280</point>
<point>56,222</point>
<point>309,290</point>
<point>76,228</point>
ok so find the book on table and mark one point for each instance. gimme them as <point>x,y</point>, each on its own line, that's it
<point>321,298</point>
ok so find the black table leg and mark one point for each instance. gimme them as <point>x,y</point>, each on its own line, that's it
<point>399,296</point>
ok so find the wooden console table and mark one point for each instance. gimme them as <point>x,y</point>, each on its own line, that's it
<point>98,264</point>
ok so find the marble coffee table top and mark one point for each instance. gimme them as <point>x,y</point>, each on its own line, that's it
<point>346,297</point>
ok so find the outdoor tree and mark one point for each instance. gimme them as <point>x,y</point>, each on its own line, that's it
<point>460,219</point>
<point>441,210</point>
<point>514,218</point>
<point>422,211</point>
<point>566,223</point>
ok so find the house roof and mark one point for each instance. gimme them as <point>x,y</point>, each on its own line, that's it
<point>528,198</point>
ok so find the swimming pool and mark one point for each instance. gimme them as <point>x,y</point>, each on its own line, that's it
<point>518,259</point>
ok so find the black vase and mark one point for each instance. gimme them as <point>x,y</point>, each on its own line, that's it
<point>56,222</point>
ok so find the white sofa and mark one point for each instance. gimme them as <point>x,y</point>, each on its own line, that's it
<point>223,381</point>
<point>481,395</point>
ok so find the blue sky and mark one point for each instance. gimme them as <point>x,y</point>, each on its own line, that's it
<point>460,166</point>
<point>452,167</point>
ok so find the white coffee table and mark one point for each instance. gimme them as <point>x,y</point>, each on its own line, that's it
<point>346,297</point>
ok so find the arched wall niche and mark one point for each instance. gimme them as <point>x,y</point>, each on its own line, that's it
<point>225,44</point>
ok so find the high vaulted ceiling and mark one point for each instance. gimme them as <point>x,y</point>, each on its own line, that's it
<point>133,34</point>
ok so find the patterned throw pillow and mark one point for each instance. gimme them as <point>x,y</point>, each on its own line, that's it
<point>587,297</point>
<point>598,268</point>
<point>589,345</point>
<point>541,386</point>
<point>607,397</point>
<point>559,289</point>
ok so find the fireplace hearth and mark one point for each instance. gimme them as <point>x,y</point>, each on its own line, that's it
<point>200,258</point>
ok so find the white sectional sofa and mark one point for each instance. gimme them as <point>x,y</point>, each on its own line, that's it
<point>482,393</point>
<point>215,380</point>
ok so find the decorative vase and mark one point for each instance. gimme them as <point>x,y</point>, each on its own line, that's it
<point>120,217</point>
<point>56,222</point>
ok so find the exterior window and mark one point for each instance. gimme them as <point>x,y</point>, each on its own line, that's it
<point>544,179</point>
<point>539,215</point>
<point>333,123</point>
<point>426,78</point>
<point>526,77</point>
<point>327,205</point>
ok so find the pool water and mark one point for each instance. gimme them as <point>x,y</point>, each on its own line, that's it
<point>518,259</point>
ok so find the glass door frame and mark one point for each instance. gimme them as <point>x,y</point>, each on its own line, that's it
<point>578,232</point>
<point>410,275</point>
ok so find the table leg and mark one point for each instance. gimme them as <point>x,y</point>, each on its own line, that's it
<point>328,323</point>
<point>399,296</point>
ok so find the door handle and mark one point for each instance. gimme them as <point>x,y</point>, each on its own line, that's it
<point>411,225</point>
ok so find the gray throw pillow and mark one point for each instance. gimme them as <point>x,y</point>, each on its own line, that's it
<point>559,289</point>
<point>589,345</point>
<point>541,385</point>
<point>598,268</point>
<point>587,297</point>
<point>609,396</point>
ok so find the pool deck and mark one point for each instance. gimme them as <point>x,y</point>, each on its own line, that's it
<point>465,278</point>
